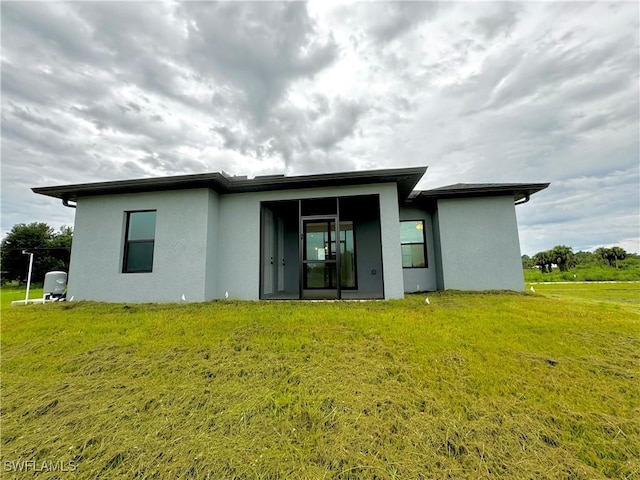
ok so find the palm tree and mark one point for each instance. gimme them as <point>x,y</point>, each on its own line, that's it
<point>603,254</point>
<point>563,257</point>
<point>611,255</point>
<point>618,253</point>
<point>543,260</point>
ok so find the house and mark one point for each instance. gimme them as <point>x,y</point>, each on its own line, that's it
<point>350,235</point>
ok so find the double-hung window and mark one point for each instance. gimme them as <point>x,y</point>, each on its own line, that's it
<point>140,237</point>
<point>414,254</point>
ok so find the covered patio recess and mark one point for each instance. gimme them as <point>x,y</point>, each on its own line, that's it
<point>321,248</point>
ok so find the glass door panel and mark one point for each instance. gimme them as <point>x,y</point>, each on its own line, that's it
<point>320,275</point>
<point>347,256</point>
<point>319,249</point>
<point>316,239</point>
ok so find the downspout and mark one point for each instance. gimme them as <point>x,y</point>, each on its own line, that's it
<point>526,199</point>
<point>65,202</point>
<point>24,252</point>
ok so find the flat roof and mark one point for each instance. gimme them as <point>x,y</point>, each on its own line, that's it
<point>405,178</point>
<point>519,191</point>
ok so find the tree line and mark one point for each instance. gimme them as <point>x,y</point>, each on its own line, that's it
<point>51,251</point>
<point>565,259</point>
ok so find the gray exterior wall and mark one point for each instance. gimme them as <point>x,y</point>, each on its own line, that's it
<point>421,279</point>
<point>291,245</point>
<point>390,233</point>
<point>213,234</point>
<point>184,222</point>
<point>369,266</point>
<point>205,244</point>
<point>437,249</point>
<point>480,248</point>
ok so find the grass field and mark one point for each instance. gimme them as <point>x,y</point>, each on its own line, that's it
<point>8,295</point>
<point>629,271</point>
<point>622,293</point>
<point>483,385</point>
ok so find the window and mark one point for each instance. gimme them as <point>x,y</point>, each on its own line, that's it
<point>140,237</point>
<point>413,244</point>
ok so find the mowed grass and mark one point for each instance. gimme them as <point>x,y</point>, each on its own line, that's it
<point>9,294</point>
<point>621,293</point>
<point>485,385</point>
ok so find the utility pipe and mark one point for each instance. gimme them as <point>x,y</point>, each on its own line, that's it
<point>24,252</point>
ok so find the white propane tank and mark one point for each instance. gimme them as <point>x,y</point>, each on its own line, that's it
<point>55,283</point>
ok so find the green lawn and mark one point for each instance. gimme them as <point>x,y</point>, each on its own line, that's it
<point>9,294</point>
<point>483,385</point>
<point>623,293</point>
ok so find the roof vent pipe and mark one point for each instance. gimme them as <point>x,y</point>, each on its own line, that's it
<point>66,203</point>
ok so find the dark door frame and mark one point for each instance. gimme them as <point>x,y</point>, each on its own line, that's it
<point>303,263</point>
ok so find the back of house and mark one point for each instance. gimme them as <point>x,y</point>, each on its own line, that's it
<point>348,235</point>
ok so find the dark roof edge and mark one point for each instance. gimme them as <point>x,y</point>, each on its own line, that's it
<point>518,190</point>
<point>72,192</point>
<point>405,178</point>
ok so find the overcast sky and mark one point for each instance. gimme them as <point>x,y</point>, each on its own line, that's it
<point>479,92</point>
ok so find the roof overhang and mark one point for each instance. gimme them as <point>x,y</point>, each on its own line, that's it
<point>405,178</point>
<point>519,192</point>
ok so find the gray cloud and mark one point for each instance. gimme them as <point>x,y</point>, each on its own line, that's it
<point>46,29</point>
<point>327,133</point>
<point>258,48</point>
<point>544,70</point>
<point>386,21</point>
<point>558,215</point>
<point>27,115</point>
<point>500,20</point>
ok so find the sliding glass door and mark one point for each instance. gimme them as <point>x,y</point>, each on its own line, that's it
<point>325,260</point>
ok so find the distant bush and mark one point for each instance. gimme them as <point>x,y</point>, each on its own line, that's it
<point>628,270</point>
<point>51,251</point>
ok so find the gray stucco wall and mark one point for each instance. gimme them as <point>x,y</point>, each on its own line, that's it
<point>421,279</point>
<point>479,244</point>
<point>390,233</point>
<point>369,258</point>
<point>239,245</point>
<point>437,250</point>
<point>291,275</point>
<point>205,244</point>
<point>180,251</point>
<point>213,239</point>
